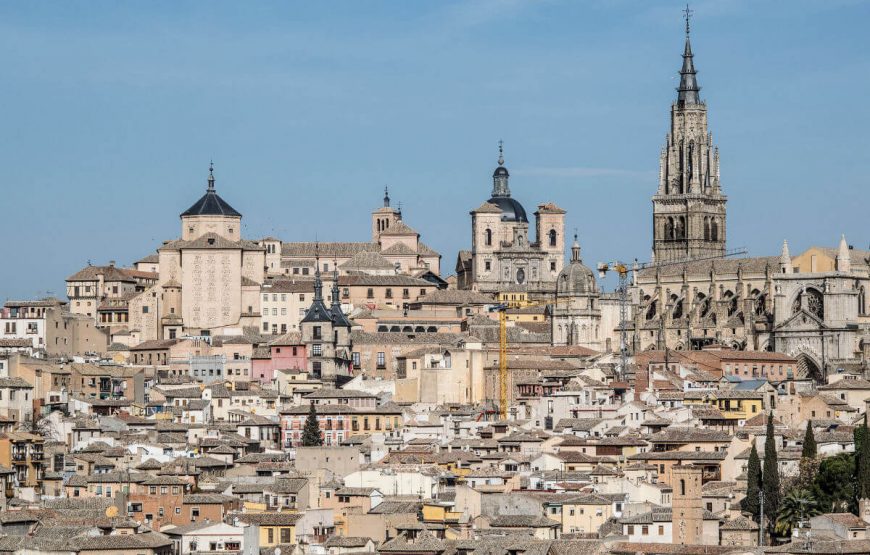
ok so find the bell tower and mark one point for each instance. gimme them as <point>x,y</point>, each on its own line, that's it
<point>689,207</point>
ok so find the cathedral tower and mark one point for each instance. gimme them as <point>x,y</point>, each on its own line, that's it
<point>689,207</point>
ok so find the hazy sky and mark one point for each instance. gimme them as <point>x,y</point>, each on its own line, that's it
<point>111,112</point>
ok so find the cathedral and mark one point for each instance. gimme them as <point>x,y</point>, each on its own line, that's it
<point>503,255</point>
<point>812,306</point>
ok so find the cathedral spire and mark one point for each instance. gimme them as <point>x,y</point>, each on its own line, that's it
<point>688,92</point>
<point>211,175</point>
<point>500,176</point>
<point>386,197</point>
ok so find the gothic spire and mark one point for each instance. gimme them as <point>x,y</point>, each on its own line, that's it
<point>386,197</point>
<point>335,298</point>
<point>844,257</point>
<point>785,259</point>
<point>500,176</point>
<point>211,175</point>
<point>688,92</point>
<point>318,284</point>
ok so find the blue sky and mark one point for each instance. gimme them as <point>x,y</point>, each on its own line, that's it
<point>112,111</point>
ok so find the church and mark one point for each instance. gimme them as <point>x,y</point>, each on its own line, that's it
<point>504,256</point>
<point>209,278</point>
<point>811,307</point>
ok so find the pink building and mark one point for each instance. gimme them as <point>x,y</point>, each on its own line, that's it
<point>285,352</point>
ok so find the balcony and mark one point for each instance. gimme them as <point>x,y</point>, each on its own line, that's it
<point>19,457</point>
<point>37,456</point>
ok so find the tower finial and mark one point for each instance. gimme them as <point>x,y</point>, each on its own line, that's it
<point>500,152</point>
<point>318,284</point>
<point>688,92</point>
<point>575,248</point>
<point>211,175</point>
<point>386,197</point>
<point>687,15</point>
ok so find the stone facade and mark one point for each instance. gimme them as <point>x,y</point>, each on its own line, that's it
<point>503,254</point>
<point>689,207</point>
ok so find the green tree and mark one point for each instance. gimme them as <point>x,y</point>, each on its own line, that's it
<point>834,487</point>
<point>797,505</point>
<point>770,475</point>
<point>862,461</point>
<point>810,450</point>
<point>753,484</point>
<point>311,432</point>
<point>809,459</point>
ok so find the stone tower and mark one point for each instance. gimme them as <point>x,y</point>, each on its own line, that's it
<point>689,207</point>
<point>688,510</point>
<point>326,334</point>
<point>384,218</point>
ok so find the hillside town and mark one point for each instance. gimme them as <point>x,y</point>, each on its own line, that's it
<point>240,395</point>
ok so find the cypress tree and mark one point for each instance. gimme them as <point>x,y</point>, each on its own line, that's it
<point>311,432</point>
<point>810,450</point>
<point>753,484</point>
<point>770,476</point>
<point>862,461</point>
<point>808,462</point>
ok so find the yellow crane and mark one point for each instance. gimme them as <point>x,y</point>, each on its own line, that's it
<point>502,309</point>
<point>622,270</point>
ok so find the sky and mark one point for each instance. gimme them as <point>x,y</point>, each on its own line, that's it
<point>111,112</point>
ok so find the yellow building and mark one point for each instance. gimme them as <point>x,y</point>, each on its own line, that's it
<point>23,452</point>
<point>274,528</point>
<point>585,514</point>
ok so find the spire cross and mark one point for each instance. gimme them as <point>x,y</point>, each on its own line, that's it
<point>687,15</point>
<point>500,152</point>
<point>211,174</point>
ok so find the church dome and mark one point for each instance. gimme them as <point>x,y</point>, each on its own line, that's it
<point>576,278</point>
<point>501,171</point>
<point>511,209</point>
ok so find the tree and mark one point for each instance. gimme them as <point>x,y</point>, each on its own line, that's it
<point>799,504</point>
<point>770,475</point>
<point>311,432</point>
<point>834,487</point>
<point>810,451</point>
<point>862,461</point>
<point>753,484</point>
<point>809,463</point>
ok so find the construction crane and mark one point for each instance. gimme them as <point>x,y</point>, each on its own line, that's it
<point>502,309</point>
<point>622,270</point>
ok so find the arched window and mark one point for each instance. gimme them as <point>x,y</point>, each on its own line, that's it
<point>681,227</point>
<point>487,237</point>
<point>552,237</point>
<point>669,229</point>
<point>706,229</point>
<point>714,229</point>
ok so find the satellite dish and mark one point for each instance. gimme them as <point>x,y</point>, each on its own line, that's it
<point>112,512</point>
